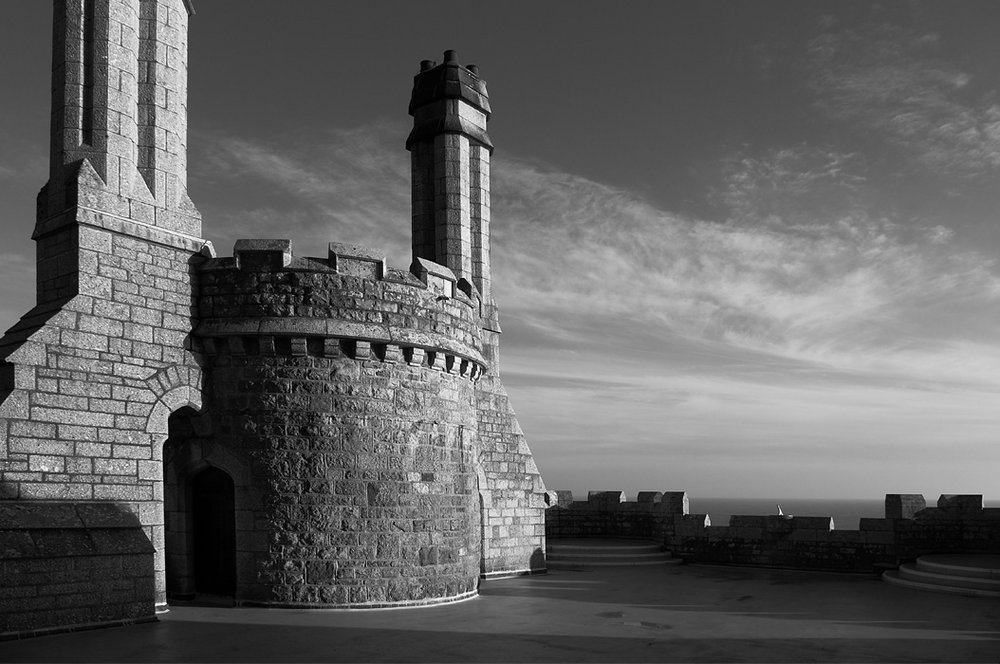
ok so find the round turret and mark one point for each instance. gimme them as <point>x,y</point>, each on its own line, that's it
<point>344,394</point>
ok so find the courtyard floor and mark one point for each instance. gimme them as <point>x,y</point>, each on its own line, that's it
<point>664,614</point>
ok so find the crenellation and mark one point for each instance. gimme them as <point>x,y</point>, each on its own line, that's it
<point>960,524</point>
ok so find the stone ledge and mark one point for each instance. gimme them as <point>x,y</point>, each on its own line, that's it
<point>262,255</point>
<point>123,226</point>
<point>65,629</point>
<point>356,260</point>
<point>346,260</point>
<point>472,594</point>
<point>330,328</point>
<point>46,515</point>
<point>361,349</point>
<point>511,574</point>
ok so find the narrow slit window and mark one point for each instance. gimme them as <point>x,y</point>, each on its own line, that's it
<point>89,56</point>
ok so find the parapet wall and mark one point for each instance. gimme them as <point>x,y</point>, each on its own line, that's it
<point>959,523</point>
<point>608,514</point>
<point>425,315</point>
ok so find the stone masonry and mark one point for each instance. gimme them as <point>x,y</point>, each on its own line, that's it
<point>957,524</point>
<point>288,430</point>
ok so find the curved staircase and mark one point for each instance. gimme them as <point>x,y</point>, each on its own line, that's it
<point>587,553</point>
<point>959,574</point>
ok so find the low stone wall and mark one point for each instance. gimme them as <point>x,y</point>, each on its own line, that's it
<point>959,523</point>
<point>608,514</point>
<point>776,541</point>
<point>72,565</point>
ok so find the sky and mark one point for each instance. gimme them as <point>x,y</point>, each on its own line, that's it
<point>741,248</point>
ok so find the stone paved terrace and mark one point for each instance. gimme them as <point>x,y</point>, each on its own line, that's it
<point>668,614</point>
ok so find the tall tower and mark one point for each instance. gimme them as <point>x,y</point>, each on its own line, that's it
<point>90,376</point>
<point>450,156</point>
<point>119,135</point>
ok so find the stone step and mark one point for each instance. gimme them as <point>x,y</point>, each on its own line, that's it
<point>589,564</point>
<point>659,559</point>
<point>626,549</point>
<point>917,573</point>
<point>980,566</point>
<point>958,574</point>
<point>895,579</point>
<point>595,555</point>
<point>585,553</point>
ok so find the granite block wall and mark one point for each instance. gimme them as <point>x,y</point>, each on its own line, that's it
<point>514,497</point>
<point>88,382</point>
<point>608,514</point>
<point>72,564</point>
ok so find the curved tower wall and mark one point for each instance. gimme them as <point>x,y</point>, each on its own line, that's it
<point>344,398</point>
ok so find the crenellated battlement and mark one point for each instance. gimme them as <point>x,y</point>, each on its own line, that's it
<point>958,523</point>
<point>337,347</point>
<point>264,300</point>
<point>348,260</point>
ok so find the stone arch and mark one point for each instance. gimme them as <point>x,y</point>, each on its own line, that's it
<point>190,449</point>
<point>173,387</point>
<point>213,456</point>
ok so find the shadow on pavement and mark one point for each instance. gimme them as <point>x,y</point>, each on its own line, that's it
<point>680,614</point>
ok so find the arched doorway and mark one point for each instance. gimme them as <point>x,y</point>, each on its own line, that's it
<point>214,532</point>
<point>178,457</point>
<point>199,500</point>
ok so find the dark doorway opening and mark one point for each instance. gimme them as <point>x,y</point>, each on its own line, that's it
<point>214,531</point>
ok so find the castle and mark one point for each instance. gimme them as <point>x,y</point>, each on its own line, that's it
<point>287,430</point>
<point>296,431</point>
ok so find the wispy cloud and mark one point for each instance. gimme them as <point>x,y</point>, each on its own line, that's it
<point>31,161</point>
<point>662,423</point>
<point>332,186</point>
<point>837,286</point>
<point>24,170</point>
<point>17,288</point>
<point>631,332</point>
<point>893,81</point>
<point>848,290</point>
<point>790,185</point>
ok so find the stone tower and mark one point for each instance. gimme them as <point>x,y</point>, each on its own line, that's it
<point>92,373</point>
<point>118,158</point>
<point>450,154</point>
<point>291,431</point>
<point>450,159</point>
